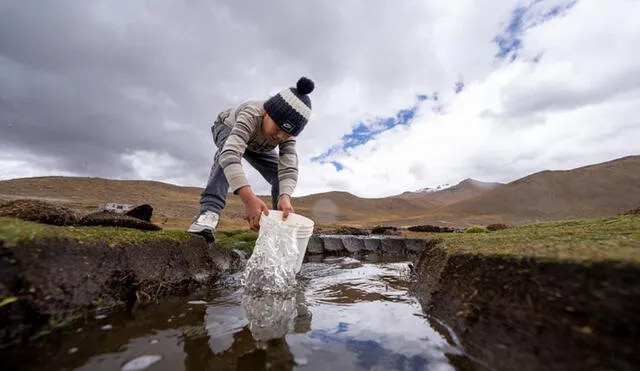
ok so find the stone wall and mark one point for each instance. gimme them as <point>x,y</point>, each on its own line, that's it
<point>341,244</point>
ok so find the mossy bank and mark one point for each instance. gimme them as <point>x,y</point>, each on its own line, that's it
<point>549,296</point>
<point>51,275</point>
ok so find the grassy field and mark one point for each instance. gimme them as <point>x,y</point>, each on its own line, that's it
<point>14,231</point>
<point>616,238</point>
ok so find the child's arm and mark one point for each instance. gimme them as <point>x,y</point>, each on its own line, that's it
<point>288,167</point>
<point>234,148</point>
<point>287,175</point>
<point>230,160</point>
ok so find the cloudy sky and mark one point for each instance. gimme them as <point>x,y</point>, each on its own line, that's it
<point>409,94</point>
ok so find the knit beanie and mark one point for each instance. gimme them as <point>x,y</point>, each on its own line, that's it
<point>290,109</point>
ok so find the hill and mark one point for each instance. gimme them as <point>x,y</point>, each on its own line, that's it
<point>592,191</point>
<point>464,190</point>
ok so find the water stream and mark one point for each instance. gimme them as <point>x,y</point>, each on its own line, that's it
<point>346,315</point>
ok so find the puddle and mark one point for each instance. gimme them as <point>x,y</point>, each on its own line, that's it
<point>346,315</point>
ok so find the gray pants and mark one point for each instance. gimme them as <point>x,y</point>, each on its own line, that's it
<point>214,196</point>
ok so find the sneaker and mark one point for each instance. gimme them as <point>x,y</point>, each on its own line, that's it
<point>205,225</point>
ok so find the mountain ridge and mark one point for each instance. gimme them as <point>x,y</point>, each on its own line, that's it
<point>593,190</point>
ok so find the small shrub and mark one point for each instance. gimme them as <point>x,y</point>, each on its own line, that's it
<point>380,229</point>
<point>476,229</point>
<point>497,227</point>
<point>431,229</point>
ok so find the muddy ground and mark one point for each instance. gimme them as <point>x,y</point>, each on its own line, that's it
<point>534,314</point>
<point>55,280</point>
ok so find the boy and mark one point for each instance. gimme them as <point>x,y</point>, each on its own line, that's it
<point>252,131</point>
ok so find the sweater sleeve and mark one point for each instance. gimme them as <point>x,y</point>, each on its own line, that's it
<point>288,167</point>
<point>234,148</point>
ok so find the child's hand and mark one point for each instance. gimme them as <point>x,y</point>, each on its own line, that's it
<point>253,208</point>
<point>284,204</point>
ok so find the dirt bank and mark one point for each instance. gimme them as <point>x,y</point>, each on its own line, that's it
<point>531,313</point>
<point>52,275</point>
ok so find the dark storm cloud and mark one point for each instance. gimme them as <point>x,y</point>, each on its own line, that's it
<point>85,82</point>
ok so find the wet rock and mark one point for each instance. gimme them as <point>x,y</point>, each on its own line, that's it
<point>315,258</point>
<point>350,263</point>
<point>415,244</point>
<point>108,219</point>
<point>372,244</point>
<point>353,243</point>
<point>38,211</point>
<point>315,245</point>
<point>393,245</point>
<point>142,212</point>
<point>373,257</point>
<point>332,243</point>
<point>431,229</point>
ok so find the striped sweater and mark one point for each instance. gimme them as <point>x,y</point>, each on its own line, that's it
<point>246,133</point>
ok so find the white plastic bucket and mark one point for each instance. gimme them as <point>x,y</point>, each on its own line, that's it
<point>305,230</point>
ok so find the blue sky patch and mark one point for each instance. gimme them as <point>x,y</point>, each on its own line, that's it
<point>337,165</point>
<point>364,132</point>
<point>509,41</point>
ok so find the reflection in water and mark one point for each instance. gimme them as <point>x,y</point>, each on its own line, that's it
<point>270,317</point>
<point>345,315</point>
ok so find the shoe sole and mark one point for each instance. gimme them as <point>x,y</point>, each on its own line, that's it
<point>206,233</point>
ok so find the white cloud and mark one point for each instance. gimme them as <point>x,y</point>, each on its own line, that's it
<point>162,72</point>
<point>18,164</point>
<point>574,107</point>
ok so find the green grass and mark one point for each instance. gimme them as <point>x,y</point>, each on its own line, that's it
<point>241,239</point>
<point>14,231</point>
<point>615,238</point>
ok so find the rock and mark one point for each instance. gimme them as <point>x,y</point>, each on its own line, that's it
<point>431,229</point>
<point>332,243</point>
<point>315,245</point>
<point>107,219</point>
<point>393,245</point>
<point>142,212</point>
<point>373,257</point>
<point>373,244</point>
<point>38,211</point>
<point>415,244</point>
<point>353,243</point>
<point>316,258</point>
<point>350,263</point>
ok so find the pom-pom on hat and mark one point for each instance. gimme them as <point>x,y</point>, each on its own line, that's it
<point>290,109</point>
